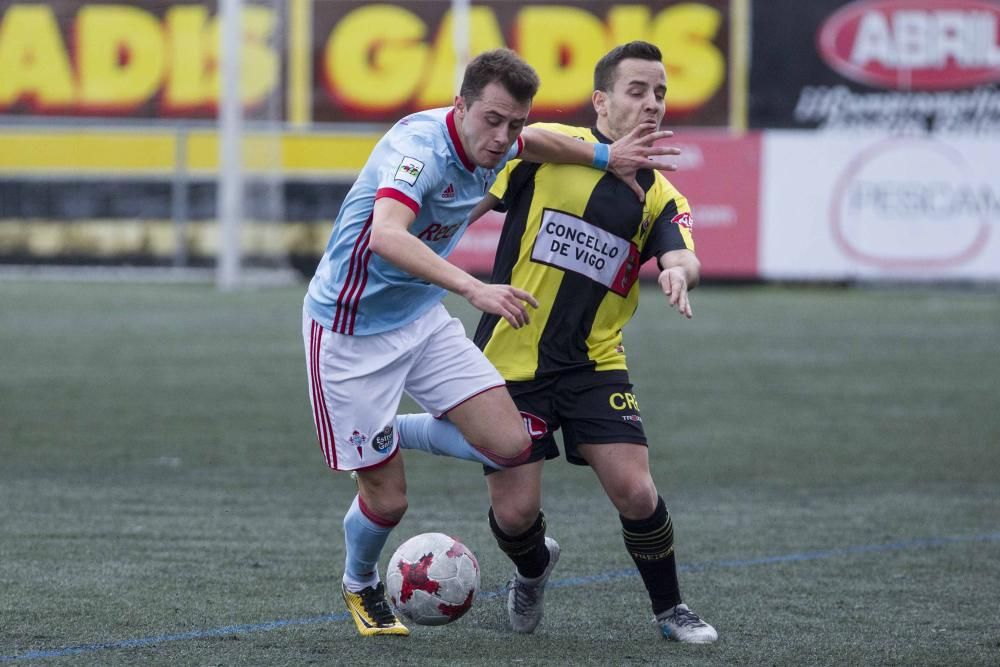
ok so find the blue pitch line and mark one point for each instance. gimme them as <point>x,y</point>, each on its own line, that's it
<point>492,595</point>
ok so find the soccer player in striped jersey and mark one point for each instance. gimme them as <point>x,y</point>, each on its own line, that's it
<point>575,238</point>
<point>373,324</point>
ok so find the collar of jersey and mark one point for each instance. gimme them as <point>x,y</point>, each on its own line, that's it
<point>600,137</point>
<point>456,141</point>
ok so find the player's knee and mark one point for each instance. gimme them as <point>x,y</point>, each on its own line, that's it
<point>636,499</point>
<point>385,503</point>
<point>515,516</point>
<point>388,510</point>
<point>508,444</point>
<point>517,441</point>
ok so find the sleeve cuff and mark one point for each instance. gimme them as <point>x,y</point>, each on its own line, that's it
<point>393,193</point>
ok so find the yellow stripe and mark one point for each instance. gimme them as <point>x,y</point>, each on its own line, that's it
<point>124,151</point>
<point>739,30</point>
<point>153,152</point>
<point>156,238</point>
<point>299,63</point>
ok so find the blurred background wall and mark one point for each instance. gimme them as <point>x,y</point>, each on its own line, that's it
<point>823,140</point>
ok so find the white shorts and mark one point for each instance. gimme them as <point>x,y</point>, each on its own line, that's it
<point>356,382</point>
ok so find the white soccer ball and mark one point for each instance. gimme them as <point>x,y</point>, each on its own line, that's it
<point>432,579</point>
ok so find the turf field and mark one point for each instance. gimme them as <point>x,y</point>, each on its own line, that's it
<point>831,458</point>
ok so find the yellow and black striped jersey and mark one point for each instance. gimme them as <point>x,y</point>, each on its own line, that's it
<point>575,237</point>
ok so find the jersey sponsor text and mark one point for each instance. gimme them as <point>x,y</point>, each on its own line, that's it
<point>574,244</point>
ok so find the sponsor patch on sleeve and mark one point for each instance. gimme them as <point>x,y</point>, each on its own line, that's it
<point>684,220</point>
<point>409,169</point>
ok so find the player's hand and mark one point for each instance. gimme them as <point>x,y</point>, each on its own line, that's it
<point>636,151</point>
<point>674,285</point>
<point>504,300</point>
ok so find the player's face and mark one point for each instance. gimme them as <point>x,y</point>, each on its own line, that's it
<point>638,94</point>
<point>490,125</point>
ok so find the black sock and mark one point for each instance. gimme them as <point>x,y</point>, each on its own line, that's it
<point>650,542</point>
<point>527,550</point>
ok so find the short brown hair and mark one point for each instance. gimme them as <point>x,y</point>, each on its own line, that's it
<point>506,68</point>
<point>604,71</point>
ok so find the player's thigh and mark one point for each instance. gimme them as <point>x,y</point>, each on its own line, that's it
<point>450,376</point>
<point>448,369</point>
<point>491,421</point>
<point>355,385</point>
<point>623,471</point>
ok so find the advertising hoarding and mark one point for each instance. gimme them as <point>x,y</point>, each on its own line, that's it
<point>720,176</point>
<point>880,207</point>
<point>899,66</point>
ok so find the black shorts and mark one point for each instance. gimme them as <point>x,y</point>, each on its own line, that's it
<point>591,407</point>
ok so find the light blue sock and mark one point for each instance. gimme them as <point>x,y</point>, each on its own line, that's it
<point>364,540</point>
<point>438,436</point>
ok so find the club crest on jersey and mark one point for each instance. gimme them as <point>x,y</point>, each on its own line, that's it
<point>449,192</point>
<point>383,441</point>
<point>684,220</point>
<point>409,169</point>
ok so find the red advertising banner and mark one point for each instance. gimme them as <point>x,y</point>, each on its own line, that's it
<point>381,61</point>
<point>720,176</point>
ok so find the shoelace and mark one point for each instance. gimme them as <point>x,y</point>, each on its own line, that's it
<point>525,595</point>
<point>686,618</point>
<point>377,606</point>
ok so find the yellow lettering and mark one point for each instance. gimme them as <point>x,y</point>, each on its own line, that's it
<point>562,44</point>
<point>617,401</point>
<point>695,67</point>
<point>631,402</point>
<point>193,42</point>
<point>375,57</point>
<point>260,61</point>
<point>626,23</point>
<point>484,34</point>
<point>33,60</point>
<point>189,43</point>
<point>120,56</point>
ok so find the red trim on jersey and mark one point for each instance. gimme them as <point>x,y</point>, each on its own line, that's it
<point>375,518</point>
<point>350,295</point>
<point>456,141</point>
<point>520,145</point>
<point>401,197</point>
<point>321,416</point>
<point>361,289</point>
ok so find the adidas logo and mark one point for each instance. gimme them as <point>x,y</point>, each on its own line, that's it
<point>449,192</point>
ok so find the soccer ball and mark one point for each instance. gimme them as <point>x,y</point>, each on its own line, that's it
<point>432,579</point>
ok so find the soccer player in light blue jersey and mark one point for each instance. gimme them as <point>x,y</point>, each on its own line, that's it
<point>373,323</point>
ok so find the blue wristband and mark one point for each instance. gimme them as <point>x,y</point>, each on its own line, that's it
<point>602,155</point>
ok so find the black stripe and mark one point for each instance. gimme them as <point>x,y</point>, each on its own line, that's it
<point>563,343</point>
<point>517,201</point>
<point>665,235</point>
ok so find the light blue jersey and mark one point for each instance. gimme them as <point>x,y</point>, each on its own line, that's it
<point>419,162</point>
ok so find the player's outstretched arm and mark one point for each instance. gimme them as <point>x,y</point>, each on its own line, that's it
<point>679,274</point>
<point>392,241</point>
<point>627,155</point>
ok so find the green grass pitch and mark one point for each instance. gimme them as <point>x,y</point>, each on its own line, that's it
<point>831,459</point>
